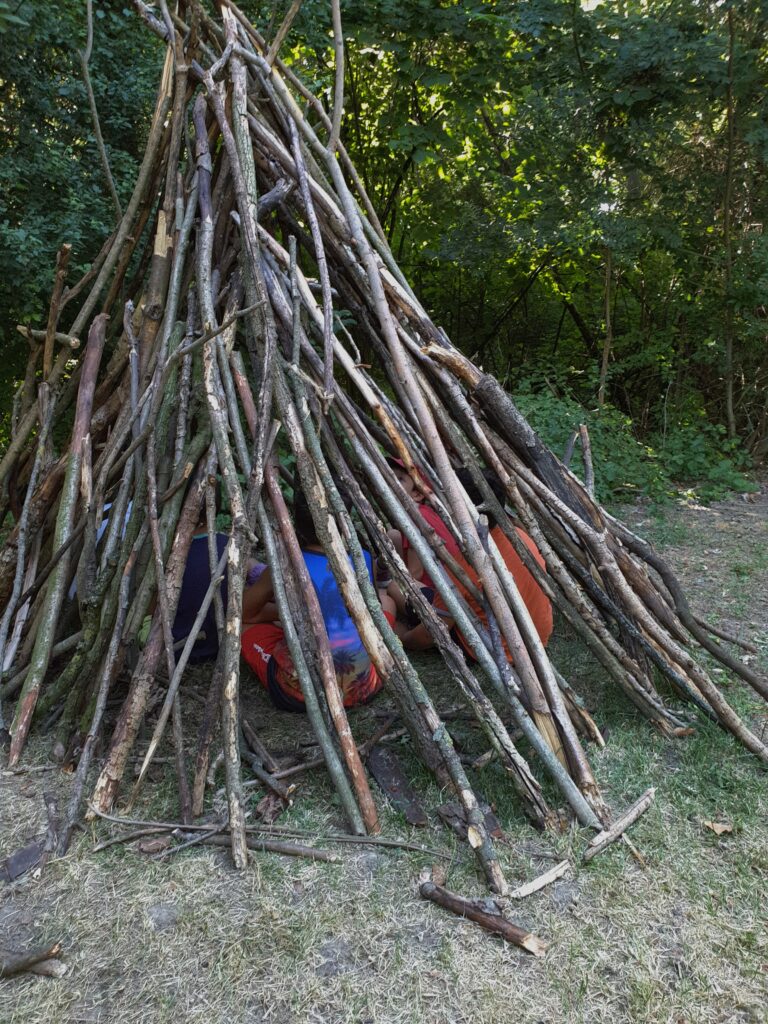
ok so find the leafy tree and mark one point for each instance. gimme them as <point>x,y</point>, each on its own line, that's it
<point>52,189</point>
<point>576,190</point>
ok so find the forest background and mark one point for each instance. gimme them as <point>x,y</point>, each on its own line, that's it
<point>576,190</point>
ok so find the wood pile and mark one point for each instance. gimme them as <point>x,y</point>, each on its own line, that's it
<point>247,299</point>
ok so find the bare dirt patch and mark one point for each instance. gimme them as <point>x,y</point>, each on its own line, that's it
<point>683,941</point>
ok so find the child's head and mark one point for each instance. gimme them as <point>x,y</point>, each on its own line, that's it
<point>406,480</point>
<point>302,519</point>
<point>474,493</point>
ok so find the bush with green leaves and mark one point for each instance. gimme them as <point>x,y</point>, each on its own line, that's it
<point>693,456</point>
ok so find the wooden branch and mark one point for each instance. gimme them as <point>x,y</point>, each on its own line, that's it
<point>258,747</point>
<point>629,817</point>
<point>586,452</point>
<point>85,56</point>
<point>54,310</point>
<point>491,922</point>
<point>64,524</point>
<point>283,31</point>
<point>266,778</point>
<point>35,335</point>
<point>272,846</point>
<point>542,880</point>
<point>338,88</point>
<point>23,961</point>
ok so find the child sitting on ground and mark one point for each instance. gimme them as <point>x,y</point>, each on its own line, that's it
<point>407,552</point>
<point>263,644</point>
<point>194,585</point>
<point>539,607</point>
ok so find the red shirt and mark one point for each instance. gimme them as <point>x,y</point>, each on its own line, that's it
<point>429,515</point>
<point>536,601</point>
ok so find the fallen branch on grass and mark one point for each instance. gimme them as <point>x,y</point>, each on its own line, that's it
<point>273,846</point>
<point>16,963</point>
<point>156,827</point>
<point>491,922</point>
<point>542,880</point>
<point>604,839</point>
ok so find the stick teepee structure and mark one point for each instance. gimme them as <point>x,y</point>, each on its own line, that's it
<point>213,333</point>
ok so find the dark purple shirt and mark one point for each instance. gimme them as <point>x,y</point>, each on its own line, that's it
<point>197,579</point>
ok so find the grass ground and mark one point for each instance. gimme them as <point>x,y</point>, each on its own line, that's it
<point>683,941</point>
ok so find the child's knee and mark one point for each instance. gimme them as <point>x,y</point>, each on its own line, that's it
<point>397,540</point>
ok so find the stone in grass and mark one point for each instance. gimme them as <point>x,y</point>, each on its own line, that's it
<point>163,916</point>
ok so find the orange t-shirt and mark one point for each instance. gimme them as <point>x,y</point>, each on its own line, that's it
<point>536,601</point>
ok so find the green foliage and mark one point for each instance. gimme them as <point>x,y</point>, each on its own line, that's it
<point>505,143</point>
<point>698,455</point>
<point>52,188</point>
<point>622,465</point>
<point>536,167</point>
<point>693,456</point>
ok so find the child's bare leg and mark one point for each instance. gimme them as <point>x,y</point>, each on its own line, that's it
<point>396,596</point>
<point>397,540</point>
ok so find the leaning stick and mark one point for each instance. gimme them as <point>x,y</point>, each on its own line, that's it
<point>283,31</point>
<point>54,310</point>
<point>491,922</point>
<point>322,264</point>
<point>133,710</point>
<point>108,672</point>
<point>338,88</point>
<point>311,702</point>
<point>178,672</point>
<point>326,666</point>
<point>85,56</point>
<point>620,826</point>
<point>256,745</point>
<point>586,454</point>
<point>21,552</point>
<point>541,881</point>
<point>265,778</point>
<point>64,524</point>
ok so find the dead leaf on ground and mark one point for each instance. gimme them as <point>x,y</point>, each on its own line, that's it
<point>438,874</point>
<point>269,808</point>
<point>720,828</point>
<point>154,845</point>
<point>432,873</point>
<point>425,875</point>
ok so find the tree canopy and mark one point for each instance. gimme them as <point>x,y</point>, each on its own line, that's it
<point>576,190</point>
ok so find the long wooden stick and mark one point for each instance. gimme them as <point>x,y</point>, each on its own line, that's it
<point>491,922</point>
<point>604,839</point>
<point>64,524</point>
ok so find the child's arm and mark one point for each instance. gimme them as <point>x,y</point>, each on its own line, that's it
<point>258,600</point>
<point>415,567</point>
<point>419,638</point>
